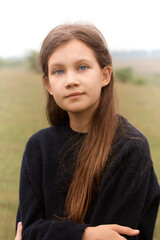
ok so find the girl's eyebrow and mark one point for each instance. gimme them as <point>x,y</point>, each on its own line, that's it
<point>55,65</point>
<point>81,60</point>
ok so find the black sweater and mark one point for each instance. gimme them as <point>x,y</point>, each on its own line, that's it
<point>129,192</point>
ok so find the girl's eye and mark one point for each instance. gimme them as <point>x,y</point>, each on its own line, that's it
<point>58,72</point>
<point>82,68</point>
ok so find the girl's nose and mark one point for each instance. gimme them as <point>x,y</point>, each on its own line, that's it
<point>71,80</point>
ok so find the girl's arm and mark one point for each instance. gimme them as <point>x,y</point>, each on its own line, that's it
<point>101,232</point>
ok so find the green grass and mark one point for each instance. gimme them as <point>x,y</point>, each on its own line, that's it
<point>22,112</point>
<point>140,105</point>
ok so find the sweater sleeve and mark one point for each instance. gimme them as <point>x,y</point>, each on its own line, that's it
<point>31,212</point>
<point>130,192</point>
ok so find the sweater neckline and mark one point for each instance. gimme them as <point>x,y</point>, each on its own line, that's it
<point>73,132</point>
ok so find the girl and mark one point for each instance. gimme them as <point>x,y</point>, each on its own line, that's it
<point>90,175</point>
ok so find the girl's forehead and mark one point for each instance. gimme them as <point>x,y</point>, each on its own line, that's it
<point>73,50</point>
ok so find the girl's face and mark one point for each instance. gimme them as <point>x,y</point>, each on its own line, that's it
<point>75,78</point>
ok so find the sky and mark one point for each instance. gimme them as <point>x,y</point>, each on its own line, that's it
<point>125,24</point>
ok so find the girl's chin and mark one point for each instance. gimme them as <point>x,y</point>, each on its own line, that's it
<point>81,112</point>
<point>76,109</point>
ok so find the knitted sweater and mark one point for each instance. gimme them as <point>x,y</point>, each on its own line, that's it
<point>128,195</point>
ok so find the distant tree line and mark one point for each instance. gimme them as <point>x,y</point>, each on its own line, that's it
<point>135,54</point>
<point>1,62</point>
<point>126,74</point>
<point>32,60</point>
<point>11,62</point>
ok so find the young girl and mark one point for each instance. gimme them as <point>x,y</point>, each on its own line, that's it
<point>90,175</point>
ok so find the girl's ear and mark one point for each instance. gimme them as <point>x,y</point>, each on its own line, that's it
<point>107,72</point>
<point>47,84</point>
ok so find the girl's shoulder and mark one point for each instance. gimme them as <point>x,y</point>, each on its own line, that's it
<point>129,134</point>
<point>44,146</point>
<point>130,146</point>
<point>130,153</point>
<point>52,134</point>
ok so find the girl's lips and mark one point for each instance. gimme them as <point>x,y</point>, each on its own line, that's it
<point>74,95</point>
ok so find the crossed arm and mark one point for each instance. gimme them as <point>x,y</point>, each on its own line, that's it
<point>101,232</point>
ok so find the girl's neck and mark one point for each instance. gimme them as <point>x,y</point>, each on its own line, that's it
<point>78,123</point>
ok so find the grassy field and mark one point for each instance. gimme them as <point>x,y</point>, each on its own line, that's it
<point>22,112</point>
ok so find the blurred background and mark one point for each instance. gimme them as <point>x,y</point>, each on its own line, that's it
<point>131,29</point>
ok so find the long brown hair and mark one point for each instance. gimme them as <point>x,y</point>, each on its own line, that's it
<point>95,149</point>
